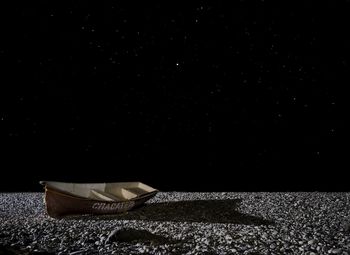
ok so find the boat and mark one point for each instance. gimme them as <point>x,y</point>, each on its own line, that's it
<point>64,199</point>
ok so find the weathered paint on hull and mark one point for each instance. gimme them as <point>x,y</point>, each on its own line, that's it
<point>60,204</point>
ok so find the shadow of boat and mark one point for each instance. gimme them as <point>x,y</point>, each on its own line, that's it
<point>204,211</point>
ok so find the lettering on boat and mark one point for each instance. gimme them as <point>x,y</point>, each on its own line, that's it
<point>121,206</point>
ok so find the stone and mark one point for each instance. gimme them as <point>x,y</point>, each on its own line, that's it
<point>130,235</point>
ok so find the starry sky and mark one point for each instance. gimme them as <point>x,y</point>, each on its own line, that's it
<point>196,96</point>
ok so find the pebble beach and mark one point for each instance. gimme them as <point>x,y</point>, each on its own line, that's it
<point>252,223</point>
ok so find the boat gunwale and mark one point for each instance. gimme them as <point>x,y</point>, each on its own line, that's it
<point>60,192</point>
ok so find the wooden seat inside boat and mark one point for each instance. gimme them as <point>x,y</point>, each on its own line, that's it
<point>121,194</point>
<point>101,195</point>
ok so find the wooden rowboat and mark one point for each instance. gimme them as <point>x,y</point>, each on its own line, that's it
<point>62,198</point>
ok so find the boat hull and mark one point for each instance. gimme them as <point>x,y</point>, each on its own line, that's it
<point>59,204</point>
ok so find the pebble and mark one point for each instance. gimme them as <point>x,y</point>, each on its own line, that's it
<point>311,242</point>
<point>334,251</point>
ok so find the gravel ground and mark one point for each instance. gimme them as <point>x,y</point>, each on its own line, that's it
<point>185,223</point>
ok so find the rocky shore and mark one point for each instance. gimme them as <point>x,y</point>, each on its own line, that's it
<point>185,223</point>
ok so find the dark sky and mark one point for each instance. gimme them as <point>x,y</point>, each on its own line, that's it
<point>195,96</point>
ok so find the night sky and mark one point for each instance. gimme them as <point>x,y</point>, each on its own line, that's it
<point>194,96</point>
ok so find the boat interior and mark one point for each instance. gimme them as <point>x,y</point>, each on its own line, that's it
<point>117,191</point>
